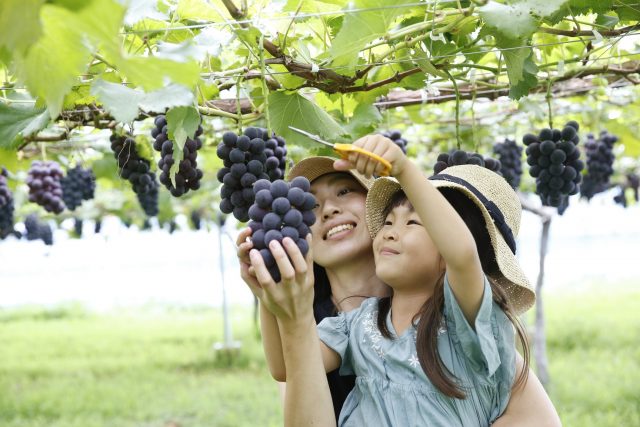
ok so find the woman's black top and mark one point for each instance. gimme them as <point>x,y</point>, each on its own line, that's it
<point>339,385</point>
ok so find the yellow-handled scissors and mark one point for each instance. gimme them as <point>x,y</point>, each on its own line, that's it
<point>344,149</point>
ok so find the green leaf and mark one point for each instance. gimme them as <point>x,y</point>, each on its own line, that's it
<point>123,102</point>
<point>22,121</point>
<point>201,10</point>
<point>182,123</point>
<point>119,100</point>
<point>608,20</point>
<point>60,53</point>
<point>295,110</point>
<point>529,80</point>
<point>150,73</point>
<point>171,96</point>
<point>20,23</point>
<point>580,7</point>
<point>627,10</point>
<point>521,69</point>
<point>180,52</point>
<point>518,20</point>
<point>365,120</point>
<point>360,28</point>
<point>138,10</point>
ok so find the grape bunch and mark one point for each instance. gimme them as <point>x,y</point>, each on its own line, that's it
<point>397,138</point>
<point>599,164</point>
<point>196,220</point>
<point>188,175</point>
<point>44,185</point>
<point>137,170</point>
<point>620,198</point>
<point>281,209</point>
<point>149,200</point>
<point>248,158</point>
<point>78,185</point>
<point>554,161</point>
<point>633,182</point>
<point>77,226</point>
<point>38,230</point>
<point>6,206</point>
<point>460,157</point>
<point>510,154</point>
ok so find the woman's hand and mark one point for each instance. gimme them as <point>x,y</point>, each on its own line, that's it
<point>246,270</point>
<point>291,299</point>
<point>377,144</point>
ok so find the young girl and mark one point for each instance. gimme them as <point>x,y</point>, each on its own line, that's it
<point>417,358</point>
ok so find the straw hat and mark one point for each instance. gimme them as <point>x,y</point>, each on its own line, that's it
<point>314,167</point>
<point>500,208</point>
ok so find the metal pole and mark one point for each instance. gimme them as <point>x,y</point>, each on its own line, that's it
<point>228,348</point>
<point>225,308</point>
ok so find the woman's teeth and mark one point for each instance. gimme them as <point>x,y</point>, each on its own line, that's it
<point>338,229</point>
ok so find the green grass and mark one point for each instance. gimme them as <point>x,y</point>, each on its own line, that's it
<point>593,339</point>
<point>130,370</point>
<point>67,367</point>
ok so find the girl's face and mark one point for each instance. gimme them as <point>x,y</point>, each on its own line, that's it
<point>404,253</point>
<point>340,232</point>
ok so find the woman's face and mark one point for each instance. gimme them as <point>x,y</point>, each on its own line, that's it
<point>340,232</point>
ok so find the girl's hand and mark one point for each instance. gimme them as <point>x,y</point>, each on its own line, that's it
<point>377,144</point>
<point>290,300</point>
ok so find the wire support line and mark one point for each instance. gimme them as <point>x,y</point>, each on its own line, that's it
<point>292,15</point>
<point>432,58</point>
<point>478,74</point>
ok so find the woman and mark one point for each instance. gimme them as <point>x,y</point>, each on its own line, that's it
<point>345,275</point>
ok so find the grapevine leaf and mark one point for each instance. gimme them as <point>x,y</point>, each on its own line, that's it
<point>607,20</point>
<point>364,121</point>
<point>171,96</point>
<point>182,123</point>
<point>22,121</point>
<point>580,7</point>
<point>121,101</point>
<point>20,23</point>
<point>360,28</point>
<point>59,52</point>
<point>201,10</point>
<point>520,19</point>
<point>528,80</point>
<point>150,72</point>
<point>295,110</point>
<point>138,10</point>
<point>180,52</point>
<point>627,10</point>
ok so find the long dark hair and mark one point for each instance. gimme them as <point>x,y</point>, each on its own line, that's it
<point>430,316</point>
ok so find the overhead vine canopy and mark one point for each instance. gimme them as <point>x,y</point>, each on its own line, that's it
<point>330,67</point>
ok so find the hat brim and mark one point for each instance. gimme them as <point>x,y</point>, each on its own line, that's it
<point>512,279</point>
<point>313,168</point>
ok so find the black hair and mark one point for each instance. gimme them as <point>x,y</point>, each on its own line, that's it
<point>430,316</point>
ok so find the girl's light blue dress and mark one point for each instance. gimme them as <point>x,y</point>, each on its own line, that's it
<point>391,387</point>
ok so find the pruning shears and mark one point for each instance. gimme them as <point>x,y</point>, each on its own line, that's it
<point>345,149</point>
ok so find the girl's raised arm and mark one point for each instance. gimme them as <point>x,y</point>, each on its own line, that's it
<point>445,227</point>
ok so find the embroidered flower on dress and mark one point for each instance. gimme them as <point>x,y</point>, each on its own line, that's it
<point>371,331</point>
<point>413,361</point>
